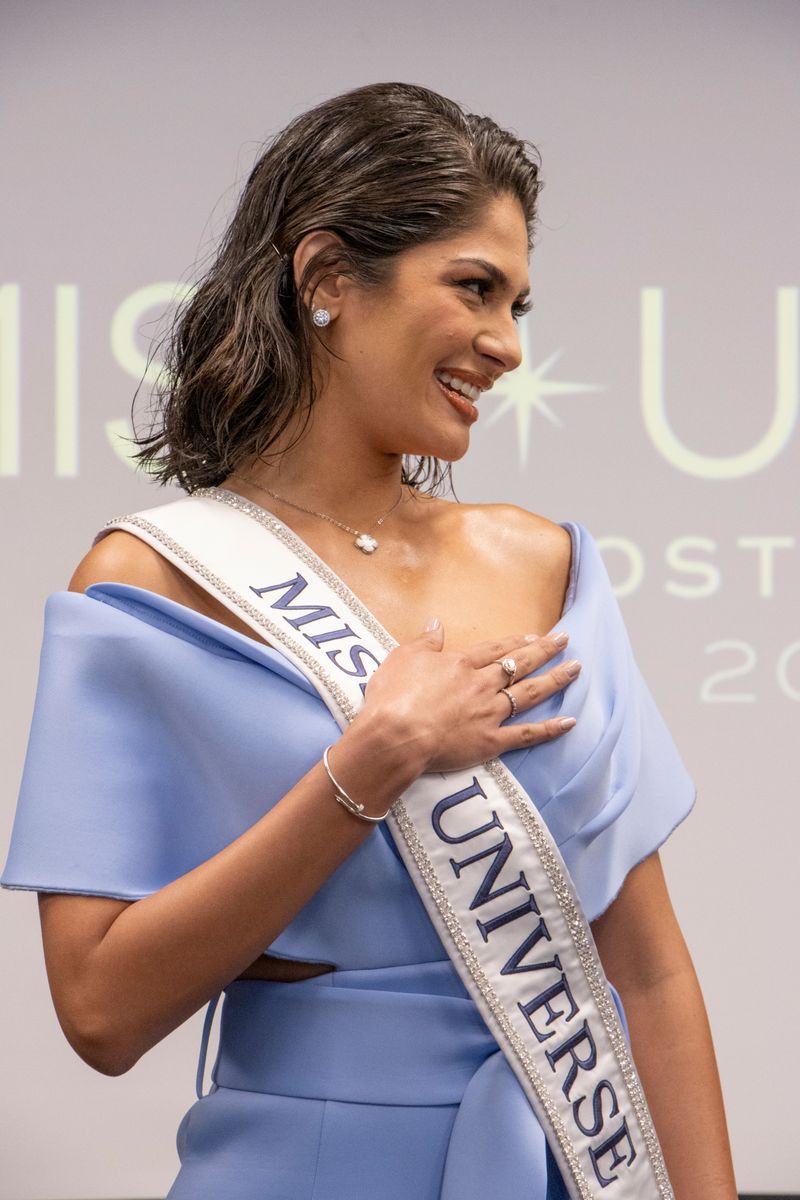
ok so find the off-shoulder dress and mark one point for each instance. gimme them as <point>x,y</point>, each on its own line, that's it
<point>160,735</point>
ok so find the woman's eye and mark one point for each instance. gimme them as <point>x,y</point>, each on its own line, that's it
<point>482,287</point>
<point>479,286</point>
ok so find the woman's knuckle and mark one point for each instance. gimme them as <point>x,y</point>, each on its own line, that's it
<point>549,646</point>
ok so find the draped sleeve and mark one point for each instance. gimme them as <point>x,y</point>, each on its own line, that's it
<point>153,745</point>
<point>158,737</point>
<point>612,789</point>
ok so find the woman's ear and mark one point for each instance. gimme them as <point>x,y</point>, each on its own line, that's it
<point>325,289</point>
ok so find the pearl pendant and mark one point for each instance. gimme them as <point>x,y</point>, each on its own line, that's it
<point>366,543</point>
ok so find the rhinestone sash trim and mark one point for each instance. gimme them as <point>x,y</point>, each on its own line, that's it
<point>406,833</point>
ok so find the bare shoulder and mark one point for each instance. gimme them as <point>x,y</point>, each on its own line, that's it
<point>120,557</point>
<point>545,537</point>
<point>511,533</point>
<point>520,552</point>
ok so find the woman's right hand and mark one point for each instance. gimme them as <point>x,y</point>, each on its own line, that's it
<point>446,707</point>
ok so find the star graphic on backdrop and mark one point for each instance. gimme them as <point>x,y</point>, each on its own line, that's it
<point>525,390</point>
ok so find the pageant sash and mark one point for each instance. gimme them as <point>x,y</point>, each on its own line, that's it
<point>486,867</point>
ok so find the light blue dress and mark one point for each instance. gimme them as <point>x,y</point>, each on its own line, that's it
<point>160,735</point>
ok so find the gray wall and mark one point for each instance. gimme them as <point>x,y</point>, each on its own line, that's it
<point>658,405</point>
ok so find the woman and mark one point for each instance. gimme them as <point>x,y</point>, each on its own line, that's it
<point>178,813</point>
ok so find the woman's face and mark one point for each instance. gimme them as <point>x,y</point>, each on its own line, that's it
<point>418,354</point>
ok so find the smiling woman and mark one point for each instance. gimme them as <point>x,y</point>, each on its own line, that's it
<point>447,310</point>
<point>413,850</point>
<point>373,175</point>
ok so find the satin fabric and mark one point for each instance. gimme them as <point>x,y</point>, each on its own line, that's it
<point>160,735</point>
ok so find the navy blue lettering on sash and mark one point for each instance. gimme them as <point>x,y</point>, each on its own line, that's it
<point>361,660</point>
<point>552,1013</point>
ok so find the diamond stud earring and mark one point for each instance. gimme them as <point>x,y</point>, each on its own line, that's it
<point>321,317</point>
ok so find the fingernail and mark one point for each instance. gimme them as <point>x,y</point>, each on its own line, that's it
<point>567,723</point>
<point>434,623</point>
<point>531,637</point>
<point>573,668</point>
<point>561,639</point>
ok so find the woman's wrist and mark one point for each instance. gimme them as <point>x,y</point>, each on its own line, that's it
<point>373,765</point>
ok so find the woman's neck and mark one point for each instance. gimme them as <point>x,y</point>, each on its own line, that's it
<point>327,469</point>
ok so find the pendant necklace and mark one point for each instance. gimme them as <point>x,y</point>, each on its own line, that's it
<point>364,541</point>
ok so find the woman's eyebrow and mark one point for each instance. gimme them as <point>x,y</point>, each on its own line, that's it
<point>496,275</point>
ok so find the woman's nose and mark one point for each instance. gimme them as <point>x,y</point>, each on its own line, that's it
<point>501,343</point>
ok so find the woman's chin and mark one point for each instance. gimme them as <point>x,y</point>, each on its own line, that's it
<point>448,446</point>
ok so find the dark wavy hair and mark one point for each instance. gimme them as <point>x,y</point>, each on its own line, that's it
<point>386,167</point>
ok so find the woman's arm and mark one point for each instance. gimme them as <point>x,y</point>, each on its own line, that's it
<point>124,975</point>
<point>645,957</point>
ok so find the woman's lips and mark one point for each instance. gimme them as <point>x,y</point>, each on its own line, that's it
<point>460,403</point>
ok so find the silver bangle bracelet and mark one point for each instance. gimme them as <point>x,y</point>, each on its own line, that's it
<point>346,801</point>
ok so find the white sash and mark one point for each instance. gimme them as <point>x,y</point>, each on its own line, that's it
<point>485,865</point>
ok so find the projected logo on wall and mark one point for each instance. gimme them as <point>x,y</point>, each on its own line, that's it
<point>524,393</point>
<point>689,558</point>
<point>523,396</point>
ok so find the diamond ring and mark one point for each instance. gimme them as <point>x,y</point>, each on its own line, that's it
<point>506,692</point>
<point>509,665</point>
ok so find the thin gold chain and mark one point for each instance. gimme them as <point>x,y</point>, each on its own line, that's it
<point>313,512</point>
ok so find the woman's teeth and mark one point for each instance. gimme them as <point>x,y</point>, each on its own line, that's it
<point>459,385</point>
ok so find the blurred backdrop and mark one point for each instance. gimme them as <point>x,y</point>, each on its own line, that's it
<point>657,405</point>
